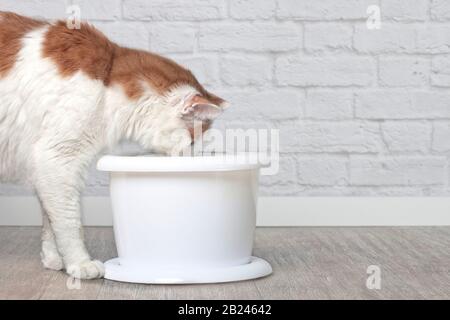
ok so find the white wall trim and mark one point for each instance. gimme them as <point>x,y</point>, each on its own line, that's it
<point>274,211</point>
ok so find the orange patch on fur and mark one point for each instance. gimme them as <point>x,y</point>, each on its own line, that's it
<point>90,51</point>
<point>133,66</point>
<point>84,49</point>
<point>12,29</point>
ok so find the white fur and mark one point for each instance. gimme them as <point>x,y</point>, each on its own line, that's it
<point>51,128</point>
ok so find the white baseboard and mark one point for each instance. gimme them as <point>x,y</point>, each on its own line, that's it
<point>274,211</point>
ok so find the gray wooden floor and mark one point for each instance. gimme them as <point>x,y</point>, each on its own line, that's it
<point>308,263</point>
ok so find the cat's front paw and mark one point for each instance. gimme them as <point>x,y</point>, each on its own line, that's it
<point>91,269</point>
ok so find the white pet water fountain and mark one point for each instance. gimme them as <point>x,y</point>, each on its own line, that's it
<point>184,219</point>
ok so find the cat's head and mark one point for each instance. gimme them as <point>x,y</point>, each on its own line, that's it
<point>168,108</point>
<point>186,115</point>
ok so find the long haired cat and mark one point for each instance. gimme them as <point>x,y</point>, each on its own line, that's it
<point>66,94</point>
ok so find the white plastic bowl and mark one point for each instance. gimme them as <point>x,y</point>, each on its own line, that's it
<point>184,219</point>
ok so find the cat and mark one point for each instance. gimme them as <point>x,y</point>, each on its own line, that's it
<point>68,94</point>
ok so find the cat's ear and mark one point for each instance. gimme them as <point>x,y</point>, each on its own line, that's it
<point>201,108</point>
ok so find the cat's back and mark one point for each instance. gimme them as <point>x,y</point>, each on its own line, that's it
<point>69,49</point>
<point>49,69</point>
<point>51,79</point>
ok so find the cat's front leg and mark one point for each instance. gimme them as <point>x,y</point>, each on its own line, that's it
<point>50,257</point>
<point>58,180</point>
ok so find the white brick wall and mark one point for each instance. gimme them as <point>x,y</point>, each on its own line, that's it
<point>360,112</point>
<point>405,10</point>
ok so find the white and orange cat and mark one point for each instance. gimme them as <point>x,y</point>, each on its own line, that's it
<point>67,94</point>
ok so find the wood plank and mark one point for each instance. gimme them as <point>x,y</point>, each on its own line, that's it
<point>308,263</point>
